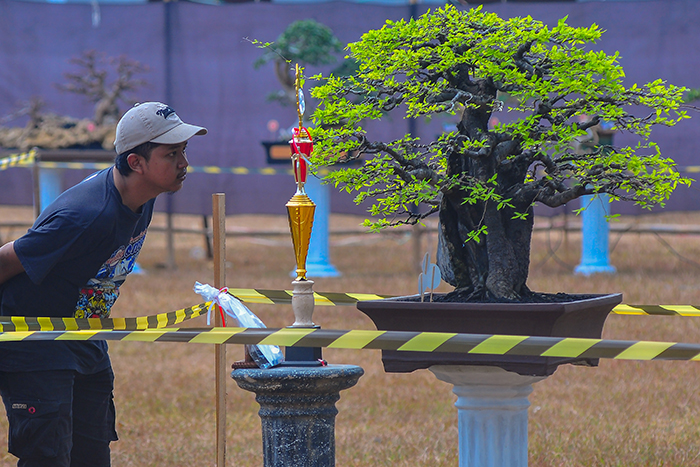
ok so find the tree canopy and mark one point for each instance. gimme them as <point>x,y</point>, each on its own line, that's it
<point>475,64</point>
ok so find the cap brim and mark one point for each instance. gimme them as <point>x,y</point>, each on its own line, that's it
<point>180,134</point>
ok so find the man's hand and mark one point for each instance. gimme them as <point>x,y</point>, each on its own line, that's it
<point>10,265</point>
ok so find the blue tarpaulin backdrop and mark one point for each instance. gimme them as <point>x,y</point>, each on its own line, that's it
<point>201,63</point>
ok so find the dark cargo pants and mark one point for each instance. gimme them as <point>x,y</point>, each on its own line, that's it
<point>59,418</point>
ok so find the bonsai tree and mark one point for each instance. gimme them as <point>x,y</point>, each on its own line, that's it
<point>91,82</point>
<point>50,131</point>
<point>482,180</point>
<point>306,42</point>
<point>691,95</point>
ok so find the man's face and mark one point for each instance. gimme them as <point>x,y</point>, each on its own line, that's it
<point>166,169</point>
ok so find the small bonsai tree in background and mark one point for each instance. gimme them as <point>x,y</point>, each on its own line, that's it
<point>306,42</point>
<point>50,131</point>
<point>91,81</point>
<point>483,180</point>
<point>691,95</point>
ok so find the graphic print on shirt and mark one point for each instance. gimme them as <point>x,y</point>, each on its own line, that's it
<point>100,293</point>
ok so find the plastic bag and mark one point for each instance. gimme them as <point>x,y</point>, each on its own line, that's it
<point>265,356</point>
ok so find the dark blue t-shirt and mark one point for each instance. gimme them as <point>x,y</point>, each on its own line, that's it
<point>75,257</point>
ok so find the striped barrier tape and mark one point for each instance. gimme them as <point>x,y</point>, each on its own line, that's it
<point>191,169</point>
<point>75,165</point>
<point>284,297</point>
<point>240,170</point>
<point>161,320</point>
<point>259,296</point>
<point>14,160</point>
<point>28,158</point>
<point>657,310</point>
<point>153,329</point>
<point>563,347</point>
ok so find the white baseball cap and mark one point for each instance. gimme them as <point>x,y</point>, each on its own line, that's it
<point>152,122</point>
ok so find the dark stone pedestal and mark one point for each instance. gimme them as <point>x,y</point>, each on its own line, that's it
<point>297,411</point>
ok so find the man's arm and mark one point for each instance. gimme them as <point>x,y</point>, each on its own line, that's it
<point>10,265</point>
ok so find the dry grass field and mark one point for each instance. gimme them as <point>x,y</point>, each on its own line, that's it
<point>619,414</point>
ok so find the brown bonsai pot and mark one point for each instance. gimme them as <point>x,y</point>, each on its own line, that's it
<point>582,317</point>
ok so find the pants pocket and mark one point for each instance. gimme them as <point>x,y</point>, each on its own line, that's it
<point>34,429</point>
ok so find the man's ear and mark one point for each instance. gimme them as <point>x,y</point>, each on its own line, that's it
<point>135,162</point>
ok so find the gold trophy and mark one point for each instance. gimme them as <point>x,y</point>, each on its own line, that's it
<point>300,208</point>
<point>301,219</point>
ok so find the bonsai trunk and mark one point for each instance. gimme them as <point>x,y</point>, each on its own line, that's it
<point>494,266</point>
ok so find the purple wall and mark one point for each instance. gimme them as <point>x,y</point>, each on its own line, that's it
<point>213,82</point>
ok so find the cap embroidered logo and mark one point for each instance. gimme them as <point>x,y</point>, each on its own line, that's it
<point>165,111</point>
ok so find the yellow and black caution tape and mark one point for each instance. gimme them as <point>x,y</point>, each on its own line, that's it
<point>153,329</point>
<point>207,169</point>
<point>191,169</point>
<point>563,347</point>
<point>284,297</point>
<point>14,160</point>
<point>161,320</point>
<point>247,171</point>
<point>260,296</point>
<point>240,170</point>
<point>75,165</point>
<point>28,158</point>
<point>657,310</point>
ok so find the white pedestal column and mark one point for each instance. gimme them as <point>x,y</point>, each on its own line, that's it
<point>492,408</point>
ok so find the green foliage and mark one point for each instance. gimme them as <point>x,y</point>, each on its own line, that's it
<point>463,63</point>
<point>305,42</point>
<point>692,95</point>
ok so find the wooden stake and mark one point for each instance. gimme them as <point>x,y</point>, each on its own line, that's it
<point>219,214</point>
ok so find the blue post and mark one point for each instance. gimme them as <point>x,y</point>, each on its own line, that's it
<point>317,261</point>
<point>50,186</point>
<point>595,256</point>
